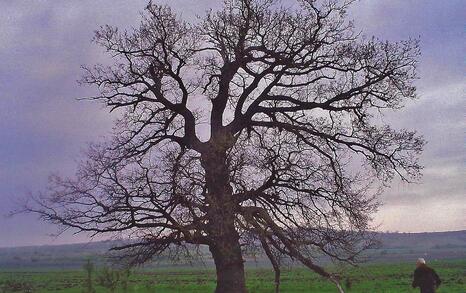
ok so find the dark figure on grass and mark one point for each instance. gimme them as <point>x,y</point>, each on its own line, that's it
<point>425,277</point>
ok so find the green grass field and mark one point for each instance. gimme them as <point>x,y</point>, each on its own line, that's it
<point>371,278</point>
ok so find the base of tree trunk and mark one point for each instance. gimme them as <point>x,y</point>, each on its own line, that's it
<point>229,266</point>
<point>231,280</point>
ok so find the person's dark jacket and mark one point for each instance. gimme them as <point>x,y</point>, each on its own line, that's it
<point>426,279</point>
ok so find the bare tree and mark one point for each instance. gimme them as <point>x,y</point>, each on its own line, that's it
<point>257,125</point>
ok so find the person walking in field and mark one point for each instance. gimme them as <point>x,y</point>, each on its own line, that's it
<point>425,277</point>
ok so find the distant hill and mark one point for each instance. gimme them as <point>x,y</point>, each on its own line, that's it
<point>431,240</point>
<point>394,247</point>
<point>410,246</point>
<point>54,256</point>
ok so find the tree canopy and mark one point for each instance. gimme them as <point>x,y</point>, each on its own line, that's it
<point>256,126</point>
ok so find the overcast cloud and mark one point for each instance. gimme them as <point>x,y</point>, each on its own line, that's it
<point>43,128</point>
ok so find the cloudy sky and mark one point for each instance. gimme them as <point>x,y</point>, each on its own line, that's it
<point>43,129</point>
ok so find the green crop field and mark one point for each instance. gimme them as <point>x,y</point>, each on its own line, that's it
<point>371,278</point>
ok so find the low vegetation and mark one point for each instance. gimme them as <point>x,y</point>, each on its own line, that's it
<point>380,278</point>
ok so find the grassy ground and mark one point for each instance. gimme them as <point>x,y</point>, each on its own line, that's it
<point>374,278</point>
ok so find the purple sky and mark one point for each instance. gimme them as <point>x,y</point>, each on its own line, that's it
<point>43,128</point>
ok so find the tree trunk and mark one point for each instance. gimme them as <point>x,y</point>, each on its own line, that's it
<point>229,265</point>
<point>225,246</point>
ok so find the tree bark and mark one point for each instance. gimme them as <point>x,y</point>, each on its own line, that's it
<point>225,246</point>
<point>229,264</point>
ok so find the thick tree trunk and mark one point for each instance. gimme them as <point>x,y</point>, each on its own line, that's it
<point>225,246</point>
<point>229,265</point>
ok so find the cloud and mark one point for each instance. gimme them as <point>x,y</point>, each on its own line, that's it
<point>438,214</point>
<point>43,127</point>
<point>435,202</point>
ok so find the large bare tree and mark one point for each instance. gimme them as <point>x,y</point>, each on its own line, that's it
<point>258,125</point>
